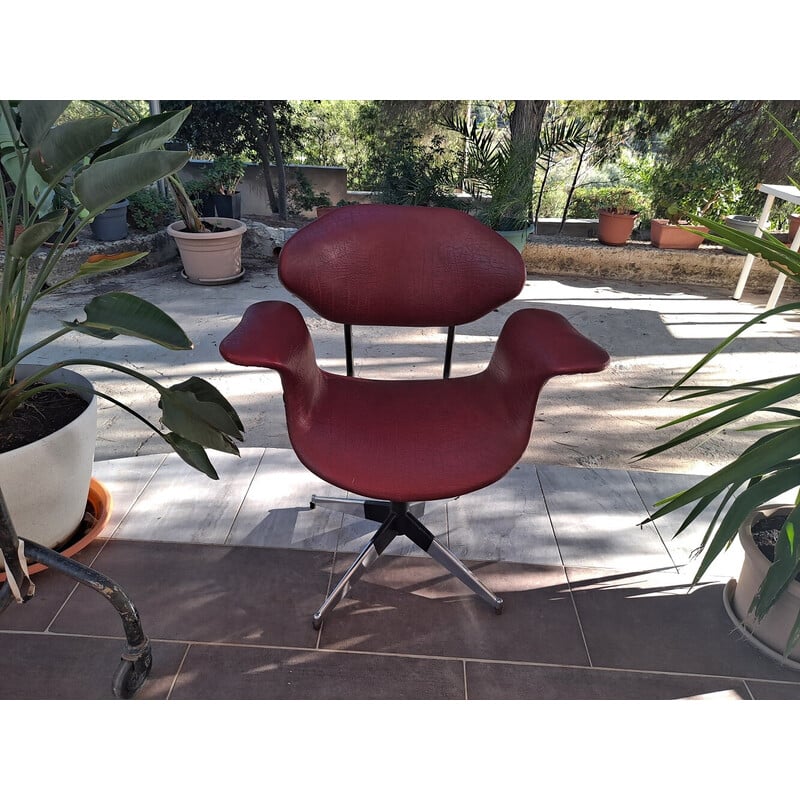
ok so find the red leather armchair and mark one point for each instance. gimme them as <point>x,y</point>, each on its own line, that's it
<point>404,441</point>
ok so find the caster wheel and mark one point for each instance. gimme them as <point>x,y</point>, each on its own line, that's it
<point>312,505</point>
<point>316,622</point>
<point>131,675</point>
<point>498,609</point>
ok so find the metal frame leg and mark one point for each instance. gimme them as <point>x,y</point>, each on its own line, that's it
<point>137,660</point>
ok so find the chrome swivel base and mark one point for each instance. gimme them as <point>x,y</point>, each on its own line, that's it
<point>396,519</point>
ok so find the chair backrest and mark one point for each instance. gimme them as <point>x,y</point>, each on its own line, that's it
<point>400,265</point>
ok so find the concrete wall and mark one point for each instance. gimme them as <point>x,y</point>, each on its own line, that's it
<point>332,180</point>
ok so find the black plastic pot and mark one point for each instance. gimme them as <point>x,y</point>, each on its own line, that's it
<point>228,206</point>
<point>112,224</point>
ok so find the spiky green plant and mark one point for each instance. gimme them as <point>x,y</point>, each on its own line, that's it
<point>767,468</point>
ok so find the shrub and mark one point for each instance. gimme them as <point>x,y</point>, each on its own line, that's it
<point>149,211</point>
<point>413,174</point>
<point>704,187</point>
<point>588,200</point>
<point>301,197</point>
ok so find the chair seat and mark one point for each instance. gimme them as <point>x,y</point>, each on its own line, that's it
<point>412,439</point>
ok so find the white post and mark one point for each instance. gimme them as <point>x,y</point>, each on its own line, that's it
<point>750,258</point>
<point>778,287</point>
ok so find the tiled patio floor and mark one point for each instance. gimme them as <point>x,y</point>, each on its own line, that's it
<point>226,576</point>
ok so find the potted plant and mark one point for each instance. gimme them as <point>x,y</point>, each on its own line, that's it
<point>794,226</point>
<point>213,254</point>
<point>702,188</point>
<point>497,176</point>
<point>47,410</point>
<point>210,247</point>
<point>676,233</point>
<point>223,178</point>
<point>740,222</point>
<point>765,601</point>
<point>616,220</point>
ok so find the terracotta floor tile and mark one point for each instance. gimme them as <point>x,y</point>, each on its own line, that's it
<point>49,667</point>
<point>248,673</point>
<point>208,593</point>
<point>649,621</point>
<point>412,605</point>
<point>487,681</point>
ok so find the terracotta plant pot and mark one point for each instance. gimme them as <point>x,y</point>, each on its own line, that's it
<point>664,234</point>
<point>211,258</point>
<point>771,634</point>
<point>46,483</point>
<point>615,229</point>
<point>794,226</point>
<point>98,512</point>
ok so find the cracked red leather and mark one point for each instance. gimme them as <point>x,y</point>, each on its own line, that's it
<point>408,440</point>
<point>400,265</point>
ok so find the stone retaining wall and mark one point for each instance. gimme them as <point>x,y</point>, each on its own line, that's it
<point>640,261</point>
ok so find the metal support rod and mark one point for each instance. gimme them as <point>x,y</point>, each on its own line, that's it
<point>102,584</point>
<point>448,353</point>
<point>348,349</point>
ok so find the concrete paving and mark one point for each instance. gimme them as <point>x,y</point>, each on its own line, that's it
<point>654,333</point>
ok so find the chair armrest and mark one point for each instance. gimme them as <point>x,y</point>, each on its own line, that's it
<point>543,344</point>
<point>272,334</point>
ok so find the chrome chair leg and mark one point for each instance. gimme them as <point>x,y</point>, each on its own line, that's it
<point>453,565</point>
<point>397,520</point>
<point>367,557</point>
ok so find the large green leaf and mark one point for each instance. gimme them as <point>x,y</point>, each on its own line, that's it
<point>200,421</point>
<point>207,392</point>
<point>192,453</point>
<point>742,506</point>
<point>147,134</point>
<point>66,144</point>
<point>761,458</point>
<point>107,182</point>
<point>34,185</point>
<point>33,237</point>
<point>108,262</point>
<point>38,116</point>
<point>123,313</point>
<point>745,406</point>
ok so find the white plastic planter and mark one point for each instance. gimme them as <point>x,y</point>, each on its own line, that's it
<point>46,483</point>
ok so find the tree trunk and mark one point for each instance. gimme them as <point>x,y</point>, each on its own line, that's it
<point>526,125</point>
<point>574,184</point>
<point>278,153</point>
<point>262,147</point>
